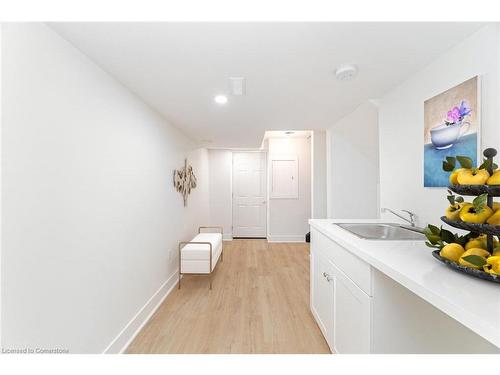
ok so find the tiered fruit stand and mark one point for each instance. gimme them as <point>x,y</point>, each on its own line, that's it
<point>489,230</point>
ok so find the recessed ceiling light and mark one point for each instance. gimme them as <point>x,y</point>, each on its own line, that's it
<point>220,99</point>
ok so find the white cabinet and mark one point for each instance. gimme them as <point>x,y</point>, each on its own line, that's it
<point>341,309</point>
<point>284,177</point>
<point>351,316</point>
<point>322,294</point>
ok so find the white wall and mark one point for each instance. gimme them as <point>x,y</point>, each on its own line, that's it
<point>401,121</point>
<point>353,165</point>
<point>90,216</point>
<point>1,153</point>
<point>221,190</point>
<point>288,218</point>
<point>318,180</point>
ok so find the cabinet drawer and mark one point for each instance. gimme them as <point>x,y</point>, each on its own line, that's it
<point>356,269</point>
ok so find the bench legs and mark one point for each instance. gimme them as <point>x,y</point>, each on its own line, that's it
<point>209,276</point>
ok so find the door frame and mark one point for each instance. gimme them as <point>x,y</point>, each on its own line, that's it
<point>266,190</point>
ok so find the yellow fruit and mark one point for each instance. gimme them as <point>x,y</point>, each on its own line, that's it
<point>494,219</point>
<point>454,176</point>
<point>469,214</point>
<point>453,211</point>
<point>496,206</point>
<point>493,259</point>
<point>496,252</point>
<point>452,251</point>
<point>473,176</point>
<point>475,251</point>
<point>493,264</point>
<point>494,179</point>
<point>495,268</point>
<point>476,243</point>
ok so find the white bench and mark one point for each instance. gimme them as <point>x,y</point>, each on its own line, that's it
<point>200,255</point>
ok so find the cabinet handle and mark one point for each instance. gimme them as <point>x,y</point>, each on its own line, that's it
<point>328,278</point>
<point>325,274</point>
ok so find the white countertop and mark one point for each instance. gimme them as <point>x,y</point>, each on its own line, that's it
<point>473,302</point>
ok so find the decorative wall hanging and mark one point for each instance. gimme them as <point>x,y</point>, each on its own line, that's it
<point>184,181</point>
<point>451,127</point>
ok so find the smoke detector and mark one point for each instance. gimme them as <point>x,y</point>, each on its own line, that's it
<point>346,72</point>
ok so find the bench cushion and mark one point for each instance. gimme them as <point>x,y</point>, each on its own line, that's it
<point>202,251</point>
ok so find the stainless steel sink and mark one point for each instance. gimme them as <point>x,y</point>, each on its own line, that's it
<point>382,231</point>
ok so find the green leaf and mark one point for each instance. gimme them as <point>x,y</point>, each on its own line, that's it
<point>449,164</point>
<point>447,167</point>
<point>465,161</point>
<point>487,163</point>
<point>447,236</point>
<point>432,246</point>
<point>479,202</point>
<point>475,260</point>
<point>434,229</point>
<point>434,239</point>
<point>461,240</point>
<point>453,199</point>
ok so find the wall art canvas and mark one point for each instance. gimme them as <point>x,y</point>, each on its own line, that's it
<point>184,181</point>
<point>451,128</point>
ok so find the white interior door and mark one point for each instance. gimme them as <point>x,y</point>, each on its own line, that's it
<point>249,194</point>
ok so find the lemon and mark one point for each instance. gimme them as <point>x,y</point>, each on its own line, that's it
<point>452,251</point>
<point>474,251</point>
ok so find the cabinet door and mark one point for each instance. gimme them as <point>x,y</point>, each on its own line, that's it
<point>322,288</point>
<point>352,316</point>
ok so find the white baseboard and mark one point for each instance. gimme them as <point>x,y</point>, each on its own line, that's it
<point>227,237</point>
<point>127,334</point>
<point>286,238</point>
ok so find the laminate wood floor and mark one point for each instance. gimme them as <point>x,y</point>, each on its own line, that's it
<point>259,304</point>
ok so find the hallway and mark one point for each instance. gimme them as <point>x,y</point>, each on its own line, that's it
<point>259,304</point>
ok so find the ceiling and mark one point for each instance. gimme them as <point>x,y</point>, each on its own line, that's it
<point>177,68</point>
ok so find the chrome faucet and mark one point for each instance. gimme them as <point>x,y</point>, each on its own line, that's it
<point>411,220</point>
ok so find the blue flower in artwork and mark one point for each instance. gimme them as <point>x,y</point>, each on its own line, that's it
<point>464,109</point>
